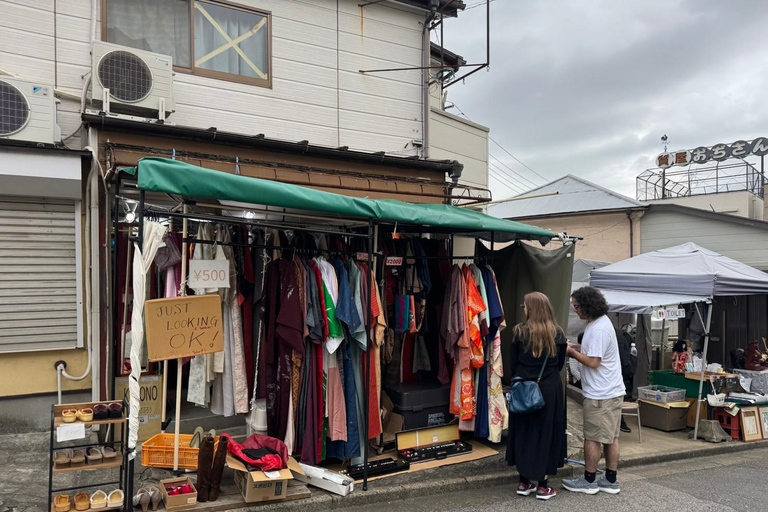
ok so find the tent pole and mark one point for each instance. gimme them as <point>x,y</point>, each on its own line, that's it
<point>180,361</point>
<point>371,339</point>
<point>703,364</point>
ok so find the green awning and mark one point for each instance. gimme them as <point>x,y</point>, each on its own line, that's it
<point>179,178</point>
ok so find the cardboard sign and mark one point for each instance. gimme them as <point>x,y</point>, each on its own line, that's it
<point>208,274</point>
<point>151,403</point>
<point>184,327</point>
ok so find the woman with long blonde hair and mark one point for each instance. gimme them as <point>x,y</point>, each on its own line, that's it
<point>536,442</point>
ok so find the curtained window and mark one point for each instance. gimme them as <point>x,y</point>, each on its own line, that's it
<point>209,38</point>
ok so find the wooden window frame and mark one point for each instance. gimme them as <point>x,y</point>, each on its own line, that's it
<point>207,73</point>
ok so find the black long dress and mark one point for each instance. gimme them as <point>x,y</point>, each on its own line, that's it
<point>536,442</point>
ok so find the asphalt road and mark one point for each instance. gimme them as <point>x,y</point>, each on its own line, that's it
<point>737,482</point>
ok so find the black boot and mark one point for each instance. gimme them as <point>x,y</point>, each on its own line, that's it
<point>624,427</point>
<point>217,471</point>
<point>204,462</point>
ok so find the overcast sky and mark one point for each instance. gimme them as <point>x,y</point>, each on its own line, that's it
<point>589,87</point>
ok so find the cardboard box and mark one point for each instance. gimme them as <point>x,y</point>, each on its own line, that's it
<point>151,408</point>
<point>667,417</point>
<point>692,411</point>
<point>326,479</point>
<point>258,486</point>
<point>181,501</point>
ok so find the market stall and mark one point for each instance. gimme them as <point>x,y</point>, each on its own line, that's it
<point>685,274</point>
<point>385,273</point>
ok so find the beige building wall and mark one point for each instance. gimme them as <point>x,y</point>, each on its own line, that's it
<point>742,204</point>
<point>30,373</point>
<point>605,236</point>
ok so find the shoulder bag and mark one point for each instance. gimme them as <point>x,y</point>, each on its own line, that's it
<point>525,396</point>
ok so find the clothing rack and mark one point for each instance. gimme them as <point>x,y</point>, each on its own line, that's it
<point>370,236</point>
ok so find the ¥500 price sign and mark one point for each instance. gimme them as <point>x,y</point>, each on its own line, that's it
<point>208,274</point>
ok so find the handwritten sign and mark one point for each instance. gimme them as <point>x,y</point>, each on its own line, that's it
<point>209,273</point>
<point>184,327</point>
<point>70,432</point>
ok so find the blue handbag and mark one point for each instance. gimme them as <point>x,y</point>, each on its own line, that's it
<point>525,396</point>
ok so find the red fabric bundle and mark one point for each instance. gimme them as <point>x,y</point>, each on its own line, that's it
<point>256,442</point>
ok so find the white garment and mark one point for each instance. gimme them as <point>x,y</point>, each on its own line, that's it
<point>332,285</point>
<point>605,381</point>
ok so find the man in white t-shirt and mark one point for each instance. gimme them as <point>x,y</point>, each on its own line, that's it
<point>604,390</point>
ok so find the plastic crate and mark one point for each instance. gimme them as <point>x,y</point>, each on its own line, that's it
<point>157,452</point>
<point>661,394</point>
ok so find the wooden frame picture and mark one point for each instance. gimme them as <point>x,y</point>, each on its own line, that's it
<point>763,412</point>
<point>751,427</point>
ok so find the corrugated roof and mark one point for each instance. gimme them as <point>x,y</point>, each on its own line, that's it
<point>574,194</point>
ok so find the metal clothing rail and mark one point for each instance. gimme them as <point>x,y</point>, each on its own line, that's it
<point>370,238</point>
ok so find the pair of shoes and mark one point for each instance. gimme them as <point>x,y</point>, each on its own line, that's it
<point>115,410</point>
<point>210,468</point>
<point>146,496</point>
<point>68,458</point>
<point>82,501</point>
<point>198,435</point>
<point>97,455</point>
<point>61,503</point>
<point>85,415</point>
<point>175,490</point>
<point>582,486</point>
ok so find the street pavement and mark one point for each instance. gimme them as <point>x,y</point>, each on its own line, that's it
<point>730,482</point>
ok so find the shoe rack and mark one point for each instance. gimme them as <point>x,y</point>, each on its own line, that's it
<point>121,462</point>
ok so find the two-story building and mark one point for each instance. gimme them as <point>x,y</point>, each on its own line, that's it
<point>275,89</point>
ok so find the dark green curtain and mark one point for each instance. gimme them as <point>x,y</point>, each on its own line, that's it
<point>522,268</point>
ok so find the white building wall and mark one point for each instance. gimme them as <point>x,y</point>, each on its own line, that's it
<point>741,204</point>
<point>318,93</point>
<point>454,138</point>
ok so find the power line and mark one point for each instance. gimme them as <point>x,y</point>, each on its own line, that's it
<point>502,164</point>
<point>503,182</point>
<point>504,149</point>
<point>478,4</point>
<point>500,171</point>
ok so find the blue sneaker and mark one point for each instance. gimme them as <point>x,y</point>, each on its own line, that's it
<point>611,488</point>
<point>581,485</point>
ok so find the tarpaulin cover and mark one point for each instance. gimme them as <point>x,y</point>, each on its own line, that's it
<point>687,270</point>
<point>175,177</point>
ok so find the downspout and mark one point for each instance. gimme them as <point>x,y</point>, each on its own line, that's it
<point>94,330</point>
<point>631,234</point>
<point>426,60</point>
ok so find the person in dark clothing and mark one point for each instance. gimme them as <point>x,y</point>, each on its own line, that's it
<point>536,442</point>
<point>628,366</point>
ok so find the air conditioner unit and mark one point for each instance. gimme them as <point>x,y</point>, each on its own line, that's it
<point>129,81</point>
<point>28,111</point>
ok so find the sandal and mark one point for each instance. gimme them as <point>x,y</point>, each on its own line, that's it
<point>197,438</point>
<point>62,458</point>
<point>100,412</point>
<point>69,416</point>
<point>77,458</point>
<point>142,499</point>
<point>94,455</point>
<point>98,500</point>
<point>115,410</point>
<point>110,454</point>
<point>82,501</point>
<point>61,503</point>
<point>85,414</point>
<point>116,499</point>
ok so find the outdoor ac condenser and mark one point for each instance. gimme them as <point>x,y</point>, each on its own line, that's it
<point>28,111</point>
<point>133,82</point>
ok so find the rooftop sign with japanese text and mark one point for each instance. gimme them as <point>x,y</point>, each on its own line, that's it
<point>718,153</point>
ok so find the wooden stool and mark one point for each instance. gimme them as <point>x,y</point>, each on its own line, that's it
<point>633,409</point>
<point>731,424</point>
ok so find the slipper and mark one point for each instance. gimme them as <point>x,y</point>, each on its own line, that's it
<point>212,433</point>
<point>115,410</point>
<point>100,412</point>
<point>116,499</point>
<point>77,458</point>
<point>62,458</point>
<point>69,416</point>
<point>94,455</point>
<point>61,503</point>
<point>109,453</point>
<point>82,501</point>
<point>85,414</point>
<point>197,438</point>
<point>98,500</point>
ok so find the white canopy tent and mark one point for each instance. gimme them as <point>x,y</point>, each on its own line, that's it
<point>685,274</point>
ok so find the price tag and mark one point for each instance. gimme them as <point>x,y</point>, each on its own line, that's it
<point>435,439</point>
<point>208,274</point>
<point>272,475</point>
<point>362,256</point>
<point>70,432</point>
<point>394,261</point>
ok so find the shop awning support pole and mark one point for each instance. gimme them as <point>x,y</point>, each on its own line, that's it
<point>180,361</point>
<point>703,363</point>
<point>371,339</point>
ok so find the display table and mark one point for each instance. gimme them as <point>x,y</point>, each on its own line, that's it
<point>669,379</point>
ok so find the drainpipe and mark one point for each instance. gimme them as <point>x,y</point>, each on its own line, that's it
<point>631,234</point>
<point>426,60</point>
<point>95,286</point>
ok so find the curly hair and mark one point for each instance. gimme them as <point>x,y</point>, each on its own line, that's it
<point>591,302</point>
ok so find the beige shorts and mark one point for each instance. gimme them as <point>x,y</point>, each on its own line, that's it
<point>602,419</point>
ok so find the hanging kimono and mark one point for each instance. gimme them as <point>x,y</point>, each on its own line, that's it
<point>498,415</point>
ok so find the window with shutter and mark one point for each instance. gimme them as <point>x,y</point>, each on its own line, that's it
<point>40,281</point>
